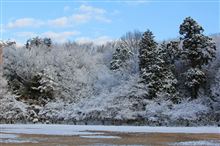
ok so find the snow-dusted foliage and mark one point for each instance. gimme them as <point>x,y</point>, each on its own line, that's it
<point>172,51</point>
<point>165,111</point>
<point>215,92</point>
<point>122,102</point>
<point>194,78</point>
<point>126,54</point>
<point>149,69</point>
<point>11,110</point>
<point>3,83</point>
<point>156,67</point>
<point>147,51</point>
<point>121,56</point>
<point>167,77</point>
<point>77,71</point>
<point>74,83</point>
<point>38,42</point>
<point>216,86</point>
<point>198,50</point>
<point>26,73</point>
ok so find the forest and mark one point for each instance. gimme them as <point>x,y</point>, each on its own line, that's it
<point>133,80</point>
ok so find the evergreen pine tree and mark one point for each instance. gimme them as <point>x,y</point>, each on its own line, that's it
<point>147,51</point>
<point>120,56</point>
<point>194,78</point>
<point>147,66</point>
<point>166,54</point>
<point>172,51</point>
<point>155,69</point>
<point>198,50</point>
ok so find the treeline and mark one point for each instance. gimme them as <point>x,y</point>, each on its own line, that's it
<point>70,71</point>
<point>158,62</point>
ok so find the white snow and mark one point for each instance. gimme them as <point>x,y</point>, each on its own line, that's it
<point>90,90</point>
<point>197,143</point>
<point>7,136</point>
<point>45,129</point>
<point>13,138</point>
<point>85,129</point>
<point>100,136</point>
<point>16,141</point>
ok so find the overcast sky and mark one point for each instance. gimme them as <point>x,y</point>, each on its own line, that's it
<point>101,20</point>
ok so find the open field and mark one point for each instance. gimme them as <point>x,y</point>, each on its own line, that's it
<point>54,135</point>
<point>160,139</point>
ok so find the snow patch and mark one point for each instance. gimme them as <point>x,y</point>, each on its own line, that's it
<point>3,136</point>
<point>17,141</point>
<point>100,136</point>
<point>85,129</point>
<point>197,143</point>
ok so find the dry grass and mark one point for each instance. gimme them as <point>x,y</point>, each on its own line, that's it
<point>159,139</point>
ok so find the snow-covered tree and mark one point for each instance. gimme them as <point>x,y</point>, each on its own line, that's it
<point>194,78</point>
<point>36,41</point>
<point>166,62</point>
<point>198,50</point>
<point>155,70</point>
<point>120,56</point>
<point>126,53</point>
<point>90,90</point>
<point>215,91</point>
<point>172,51</point>
<point>38,86</point>
<point>147,53</point>
<point>132,39</point>
<point>147,63</point>
<point>78,70</point>
<point>3,85</point>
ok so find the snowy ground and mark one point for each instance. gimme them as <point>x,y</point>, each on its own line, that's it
<point>196,143</point>
<point>83,129</point>
<point>108,135</point>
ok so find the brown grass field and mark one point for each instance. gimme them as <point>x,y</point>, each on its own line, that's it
<point>157,139</point>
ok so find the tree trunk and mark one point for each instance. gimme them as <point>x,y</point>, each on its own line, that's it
<point>194,92</point>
